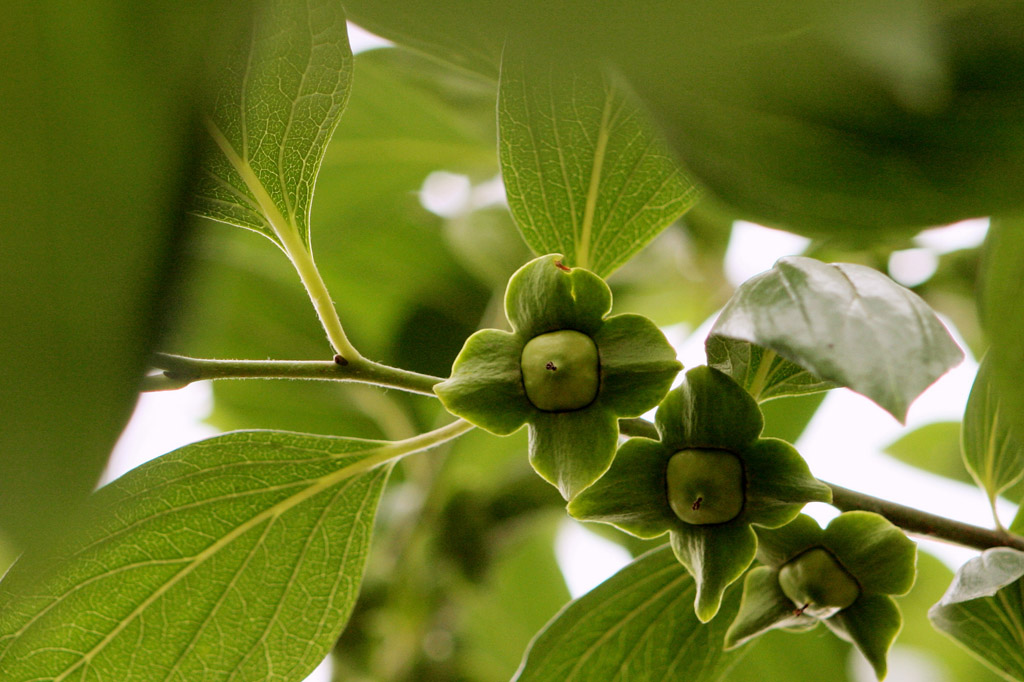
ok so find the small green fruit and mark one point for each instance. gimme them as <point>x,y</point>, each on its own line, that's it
<point>818,584</point>
<point>705,486</point>
<point>560,371</point>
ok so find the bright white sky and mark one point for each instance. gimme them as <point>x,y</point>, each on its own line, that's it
<point>843,443</point>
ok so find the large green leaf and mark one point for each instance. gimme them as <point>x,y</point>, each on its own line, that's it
<point>585,173</point>
<point>236,557</point>
<point>844,323</point>
<point>991,449</point>
<point>983,610</point>
<point>97,138</point>
<point>1003,315</point>
<point>275,112</point>
<point>804,115</point>
<point>638,624</point>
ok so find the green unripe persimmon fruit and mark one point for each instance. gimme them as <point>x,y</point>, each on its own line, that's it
<point>560,371</point>
<point>817,584</point>
<point>705,486</point>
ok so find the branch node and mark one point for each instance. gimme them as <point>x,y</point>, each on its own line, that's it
<point>338,359</point>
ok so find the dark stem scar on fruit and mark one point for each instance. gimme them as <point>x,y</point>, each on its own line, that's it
<point>696,504</point>
<point>551,367</point>
<point>340,360</point>
<point>562,266</point>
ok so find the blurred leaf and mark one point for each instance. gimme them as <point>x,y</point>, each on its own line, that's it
<point>935,448</point>
<point>238,555</point>
<point>992,452</point>
<point>1018,521</point>
<point>1003,316</point>
<point>788,417</point>
<point>274,114</point>
<point>638,624</point>
<point>585,172</point>
<point>761,372</point>
<point>844,323</point>
<point>983,610</point>
<point>96,129</point>
<point>917,125</point>
<point>523,589</point>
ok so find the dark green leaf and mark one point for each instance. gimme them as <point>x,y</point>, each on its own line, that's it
<point>638,624</point>
<point>920,127</point>
<point>991,449</point>
<point>275,112</point>
<point>239,555</point>
<point>585,173</point>
<point>96,131</point>
<point>844,323</point>
<point>1003,316</point>
<point>761,372</point>
<point>983,610</point>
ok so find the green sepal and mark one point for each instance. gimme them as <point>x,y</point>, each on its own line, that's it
<point>631,495</point>
<point>871,623</point>
<point>763,607</point>
<point>782,483</point>
<point>777,546</point>
<point>571,450</point>
<point>877,553</point>
<point>486,385</point>
<point>544,295</point>
<point>716,556</point>
<point>638,364</point>
<point>709,410</point>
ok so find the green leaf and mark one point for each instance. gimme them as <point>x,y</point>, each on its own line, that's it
<point>933,577</point>
<point>991,448</point>
<point>638,624</point>
<point>983,610</point>
<point>237,556</point>
<point>522,591</point>
<point>585,173</point>
<point>97,138</point>
<point>845,323</point>
<point>1017,526</point>
<point>1002,317</point>
<point>933,447</point>
<point>275,112</point>
<point>761,372</point>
